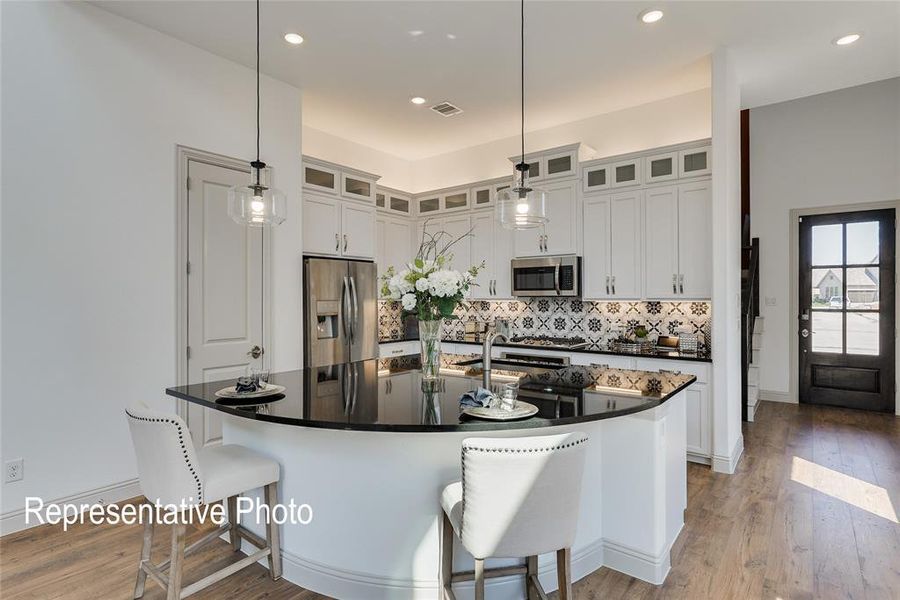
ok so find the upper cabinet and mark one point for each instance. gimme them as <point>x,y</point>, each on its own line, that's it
<point>612,246</point>
<point>695,162</point>
<point>595,178</point>
<point>352,184</point>
<point>455,200</point>
<point>661,167</point>
<point>482,196</point>
<point>626,173</point>
<point>555,163</point>
<point>559,235</point>
<point>392,201</point>
<point>332,227</point>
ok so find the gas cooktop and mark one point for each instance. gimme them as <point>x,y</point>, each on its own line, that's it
<point>543,341</point>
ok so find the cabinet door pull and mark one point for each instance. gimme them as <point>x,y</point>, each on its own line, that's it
<point>674,284</point>
<point>614,285</point>
<point>681,284</point>
<point>345,242</point>
<point>607,285</point>
<point>337,242</point>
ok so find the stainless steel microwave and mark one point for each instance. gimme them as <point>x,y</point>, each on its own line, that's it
<point>547,276</point>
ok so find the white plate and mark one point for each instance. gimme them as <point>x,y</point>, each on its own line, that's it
<point>270,390</point>
<point>522,410</point>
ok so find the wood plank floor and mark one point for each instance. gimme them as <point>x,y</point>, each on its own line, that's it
<point>810,513</point>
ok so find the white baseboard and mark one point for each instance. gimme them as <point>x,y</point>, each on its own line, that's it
<point>649,568</point>
<point>727,464</point>
<point>14,520</point>
<point>773,396</point>
<point>342,583</point>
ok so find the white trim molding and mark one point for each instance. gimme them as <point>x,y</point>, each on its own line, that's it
<point>728,464</point>
<point>774,396</point>
<point>14,520</point>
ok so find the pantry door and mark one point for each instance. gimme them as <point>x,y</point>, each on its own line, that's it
<point>224,291</point>
<point>846,333</point>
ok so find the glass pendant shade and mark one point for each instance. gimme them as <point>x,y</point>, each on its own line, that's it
<point>522,206</point>
<point>257,204</point>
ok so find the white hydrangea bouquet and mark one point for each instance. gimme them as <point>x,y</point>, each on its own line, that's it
<point>429,289</point>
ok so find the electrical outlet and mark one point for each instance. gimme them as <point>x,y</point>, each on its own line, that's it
<point>771,301</point>
<point>15,470</point>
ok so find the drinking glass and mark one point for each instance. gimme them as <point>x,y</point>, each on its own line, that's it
<point>508,396</point>
<point>261,377</point>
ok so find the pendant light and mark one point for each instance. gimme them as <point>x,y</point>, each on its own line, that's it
<point>257,204</point>
<point>522,206</point>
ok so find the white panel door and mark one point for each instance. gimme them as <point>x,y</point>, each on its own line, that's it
<point>482,249</point>
<point>358,230</point>
<point>398,245</point>
<point>596,248</point>
<point>625,244</point>
<point>225,310</point>
<point>321,225</point>
<point>694,233</point>
<point>503,251</point>
<point>561,233</point>
<point>456,227</point>
<point>661,242</point>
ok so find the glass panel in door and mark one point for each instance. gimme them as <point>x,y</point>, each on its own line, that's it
<point>559,164</point>
<point>427,205</point>
<point>357,187</point>
<point>456,201</point>
<point>319,178</point>
<point>596,178</point>
<point>399,204</point>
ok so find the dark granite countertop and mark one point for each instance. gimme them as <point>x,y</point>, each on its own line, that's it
<point>664,354</point>
<point>387,395</point>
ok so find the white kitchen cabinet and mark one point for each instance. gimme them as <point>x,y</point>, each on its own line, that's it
<point>393,243</point>
<point>661,242</point>
<point>612,255</point>
<point>559,235</point>
<point>626,173</point>
<point>455,201</point>
<point>357,187</point>
<point>661,167</point>
<point>321,225</point>
<point>695,162</point>
<point>452,227</point>
<point>392,201</point>
<point>560,164</point>
<point>396,402</point>
<point>483,196</point>
<point>321,178</point>
<point>694,231</point>
<point>357,231</point>
<point>494,245</point>
<point>595,178</point>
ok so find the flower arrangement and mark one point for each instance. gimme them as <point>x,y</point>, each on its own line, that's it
<point>426,287</point>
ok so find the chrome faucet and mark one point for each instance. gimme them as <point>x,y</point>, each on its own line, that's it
<point>489,339</point>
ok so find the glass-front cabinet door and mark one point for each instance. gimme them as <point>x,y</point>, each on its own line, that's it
<point>482,196</point>
<point>456,201</point>
<point>399,204</point>
<point>321,178</point>
<point>595,178</point>
<point>358,188</point>
<point>661,167</point>
<point>695,162</point>
<point>564,164</point>
<point>428,205</point>
<point>626,173</point>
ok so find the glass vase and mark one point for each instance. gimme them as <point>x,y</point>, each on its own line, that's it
<point>430,338</point>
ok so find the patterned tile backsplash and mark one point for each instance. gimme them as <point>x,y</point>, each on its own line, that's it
<point>597,322</point>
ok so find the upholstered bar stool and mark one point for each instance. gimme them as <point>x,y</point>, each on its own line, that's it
<point>172,473</point>
<point>518,498</point>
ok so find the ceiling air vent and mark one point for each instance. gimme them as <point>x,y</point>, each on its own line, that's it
<point>445,109</point>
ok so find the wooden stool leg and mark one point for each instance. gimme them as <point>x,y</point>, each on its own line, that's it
<point>272,533</point>
<point>233,523</point>
<point>479,579</point>
<point>145,557</point>
<point>564,573</point>
<point>177,565</point>
<point>447,557</point>
<point>531,573</point>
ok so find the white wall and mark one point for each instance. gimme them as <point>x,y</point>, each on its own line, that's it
<point>834,149</point>
<point>670,121</point>
<point>93,107</point>
<point>395,172</point>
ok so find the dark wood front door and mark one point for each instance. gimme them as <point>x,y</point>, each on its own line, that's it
<point>847,310</point>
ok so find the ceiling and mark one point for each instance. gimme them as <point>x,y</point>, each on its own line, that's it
<point>362,61</point>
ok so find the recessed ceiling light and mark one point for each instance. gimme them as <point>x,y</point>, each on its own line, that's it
<point>651,15</point>
<point>418,100</point>
<point>848,39</point>
<point>293,38</point>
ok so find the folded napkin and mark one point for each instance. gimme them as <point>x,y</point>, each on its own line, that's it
<point>476,398</point>
<point>245,385</point>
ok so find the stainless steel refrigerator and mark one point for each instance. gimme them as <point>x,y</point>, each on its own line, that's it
<point>341,306</point>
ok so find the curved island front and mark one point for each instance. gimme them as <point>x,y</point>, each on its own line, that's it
<point>370,445</point>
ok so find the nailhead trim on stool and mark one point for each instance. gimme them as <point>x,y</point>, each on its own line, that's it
<point>184,452</point>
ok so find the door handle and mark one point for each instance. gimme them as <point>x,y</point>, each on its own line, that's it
<point>355,373</point>
<point>681,284</point>
<point>614,285</point>
<point>354,323</point>
<point>345,306</point>
<point>256,352</point>
<point>337,242</point>
<point>804,332</point>
<point>345,242</point>
<point>607,285</point>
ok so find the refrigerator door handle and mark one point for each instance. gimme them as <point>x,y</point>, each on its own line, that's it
<point>345,307</point>
<point>344,389</point>
<point>354,322</point>
<point>355,387</point>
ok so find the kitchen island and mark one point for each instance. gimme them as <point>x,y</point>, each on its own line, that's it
<point>370,445</point>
